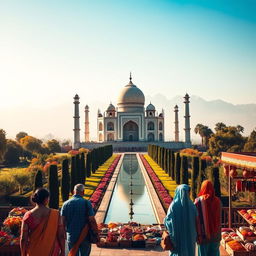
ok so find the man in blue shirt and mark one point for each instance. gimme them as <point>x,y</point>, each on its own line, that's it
<point>75,218</point>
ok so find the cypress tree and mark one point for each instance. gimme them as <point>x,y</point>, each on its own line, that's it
<point>168,161</point>
<point>65,181</point>
<point>78,170</point>
<point>38,181</point>
<point>82,166</point>
<point>215,179</point>
<point>165,160</point>
<point>93,161</point>
<point>53,184</point>
<point>172,166</point>
<point>202,173</point>
<point>184,170</point>
<point>177,167</point>
<point>73,173</point>
<point>159,155</point>
<point>88,164</point>
<point>194,176</point>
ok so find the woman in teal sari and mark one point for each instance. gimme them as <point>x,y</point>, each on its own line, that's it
<point>180,221</point>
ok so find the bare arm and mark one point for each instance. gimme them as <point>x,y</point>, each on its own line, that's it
<point>23,238</point>
<point>94,226</point>
<point>61,235</point>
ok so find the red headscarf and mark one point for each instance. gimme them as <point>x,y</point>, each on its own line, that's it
<point>213,206</point>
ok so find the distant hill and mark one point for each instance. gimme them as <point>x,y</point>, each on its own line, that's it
<point>206,112</point>
<point>58,120</point>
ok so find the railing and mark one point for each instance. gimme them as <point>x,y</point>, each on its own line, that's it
<point>237,219</point>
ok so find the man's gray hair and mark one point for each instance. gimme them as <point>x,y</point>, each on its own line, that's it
<point>79,187</point>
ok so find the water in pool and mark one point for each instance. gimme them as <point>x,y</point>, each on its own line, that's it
<point>130,178</point>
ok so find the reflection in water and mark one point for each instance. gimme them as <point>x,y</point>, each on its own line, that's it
<point>119,206</point>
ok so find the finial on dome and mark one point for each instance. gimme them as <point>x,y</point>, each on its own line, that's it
<point>130,76</point>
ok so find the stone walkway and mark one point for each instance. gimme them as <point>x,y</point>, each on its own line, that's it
<point>135,252</point>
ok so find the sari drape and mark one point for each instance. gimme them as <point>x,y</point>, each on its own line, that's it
<point>210,206</point>
<point>180,221</point>
<point>42,239</point>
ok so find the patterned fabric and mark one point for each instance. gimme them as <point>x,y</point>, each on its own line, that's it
<point>75,217</point>
<point>180,221</point>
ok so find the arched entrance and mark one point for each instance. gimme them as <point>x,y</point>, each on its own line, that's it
<point>151,136</point>
<point>130,131</point>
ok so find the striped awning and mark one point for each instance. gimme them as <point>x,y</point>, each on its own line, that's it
<point>240,160</point>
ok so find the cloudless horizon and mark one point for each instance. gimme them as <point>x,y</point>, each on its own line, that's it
<point>51,50</point>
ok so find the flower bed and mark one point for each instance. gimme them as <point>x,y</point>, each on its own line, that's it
<point>108,168</point>
<point>10,232</point>
<point>161,190</point>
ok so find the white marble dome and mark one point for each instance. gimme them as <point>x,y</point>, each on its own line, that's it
<point>131,99</point>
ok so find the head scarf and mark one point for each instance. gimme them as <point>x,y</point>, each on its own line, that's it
<point>181,222</point>
<point>212,205</point>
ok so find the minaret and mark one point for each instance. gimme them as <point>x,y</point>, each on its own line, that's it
<point>86,124</point>
<point>187,121</point>
<point>76,123</point>
<point>176,132</point>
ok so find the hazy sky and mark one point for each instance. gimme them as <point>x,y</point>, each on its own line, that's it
<point>51,50</point>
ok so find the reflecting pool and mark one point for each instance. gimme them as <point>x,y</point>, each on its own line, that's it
<point>130,199</point>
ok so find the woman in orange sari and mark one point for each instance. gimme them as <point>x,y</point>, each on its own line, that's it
<point>208,221</point>
<point>42,232</point>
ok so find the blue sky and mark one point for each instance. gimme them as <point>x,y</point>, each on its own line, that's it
<point>50,50</point>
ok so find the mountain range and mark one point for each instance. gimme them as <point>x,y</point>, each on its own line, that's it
<point>57,120</point>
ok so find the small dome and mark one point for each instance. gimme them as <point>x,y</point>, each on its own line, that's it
<point>131,94</point>
<point>150,107</point>
<point>111,107</point>
<point>76,97</point>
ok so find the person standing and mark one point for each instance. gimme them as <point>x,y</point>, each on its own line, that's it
<point>42,232</point>
<point>77,214</point>
<point>208,220</point>
<point>180,222</point>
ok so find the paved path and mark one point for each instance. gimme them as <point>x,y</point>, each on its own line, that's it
<point>135,252</point>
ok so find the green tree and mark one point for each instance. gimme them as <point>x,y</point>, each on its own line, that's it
<point>220,127</point>
<point>184,170</point>
<point>250,145</point>
<point>53,184</point>
<point>205,132</point>
<point>227,139</point>
<point>83,169</point>
<point>177,167</point>
<point>194,176</point>
<point>2,144</point>
<point>7,184</point>
<point>88,164</point>
<point>20,135</point>
<point>38,182</point>
<point>13,152</point>
<point>65,180</point>
<point>53,146</point>
<point>73,174</point>
<point>32,144</point>
<point>214,176</point>
<point>21,178</point>
<point>202,173</point>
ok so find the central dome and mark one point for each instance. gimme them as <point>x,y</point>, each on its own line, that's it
<point>131,98</point>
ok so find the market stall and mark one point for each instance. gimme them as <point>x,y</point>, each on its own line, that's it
<point>240,168</point>
<point>132,234</point>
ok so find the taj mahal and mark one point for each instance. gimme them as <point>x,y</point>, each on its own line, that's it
<point>130,123</point>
